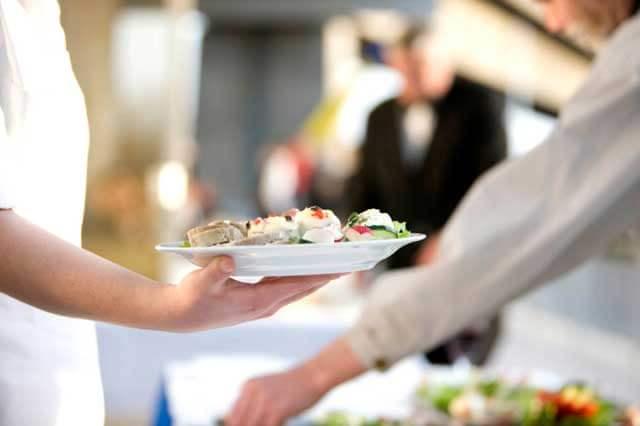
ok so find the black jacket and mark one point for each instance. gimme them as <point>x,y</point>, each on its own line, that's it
<point>468,139</point>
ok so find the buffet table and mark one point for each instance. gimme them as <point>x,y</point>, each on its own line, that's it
<point>200,390</point>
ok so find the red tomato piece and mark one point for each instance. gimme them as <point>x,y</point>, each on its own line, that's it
<point>360,229</point>
<point>319,213</point>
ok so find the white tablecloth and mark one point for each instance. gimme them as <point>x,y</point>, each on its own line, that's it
<point>204,388</point>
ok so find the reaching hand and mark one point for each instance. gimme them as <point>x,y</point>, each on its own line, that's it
<point>208,298</point>
<point>271,400</point>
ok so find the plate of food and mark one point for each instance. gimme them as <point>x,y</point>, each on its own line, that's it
<point>495,401</point>
<point>298,242</point>
<point>489,400</point>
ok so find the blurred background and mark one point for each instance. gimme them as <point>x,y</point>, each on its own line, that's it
<point>233,109</point>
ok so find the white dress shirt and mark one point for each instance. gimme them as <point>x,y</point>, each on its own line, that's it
<point>527,220</point>
<point>48,363</point>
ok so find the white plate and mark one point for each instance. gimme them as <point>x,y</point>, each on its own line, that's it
<point>296,259</point>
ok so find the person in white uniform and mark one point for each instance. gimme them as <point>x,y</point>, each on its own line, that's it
<point>50,289</point>
<point>522,224</point>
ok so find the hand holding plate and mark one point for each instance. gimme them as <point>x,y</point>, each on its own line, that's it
<point>209,298</point>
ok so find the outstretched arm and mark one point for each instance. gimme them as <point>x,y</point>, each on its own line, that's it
<point>49,273</point>
<point>526,222</point>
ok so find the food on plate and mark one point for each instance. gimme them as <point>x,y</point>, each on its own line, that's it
<point>272,230</point>
<point>311,225</point>
<point>318,225</point>
<point>498,402</point>
<point>340,418</point>
<point>217,232</point>
<point>372,224</point>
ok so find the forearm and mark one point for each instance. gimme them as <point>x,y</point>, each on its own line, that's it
<point>49,273</point>
<point>415,309</point>
<point>334,365</point>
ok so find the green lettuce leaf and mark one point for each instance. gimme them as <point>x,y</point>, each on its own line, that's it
<point>353,219</point>
<point>401,229</point>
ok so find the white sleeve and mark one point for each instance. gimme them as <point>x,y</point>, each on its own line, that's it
<point>526,221</point>
<point>6,165</point>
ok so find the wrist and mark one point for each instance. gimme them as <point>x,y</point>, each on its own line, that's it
<point>336,364</point>
<point>320,379</point>
<point>165,308</point>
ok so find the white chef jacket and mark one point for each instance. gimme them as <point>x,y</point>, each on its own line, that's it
<point>525,221</point>
<point>48,363</point>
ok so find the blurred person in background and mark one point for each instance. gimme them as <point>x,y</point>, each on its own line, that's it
<point>422,151</point>
<point>51,289</point>
<point>524,223</point>
<point>285,173</point>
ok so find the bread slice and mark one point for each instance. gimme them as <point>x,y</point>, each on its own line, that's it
<point>217,232</point>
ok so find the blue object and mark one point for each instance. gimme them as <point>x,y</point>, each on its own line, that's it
<point>372,51</point>
<point>162,416</point>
